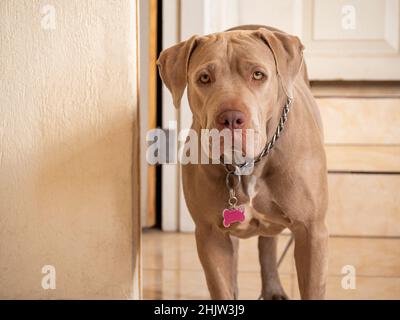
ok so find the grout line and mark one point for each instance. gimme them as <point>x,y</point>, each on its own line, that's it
<point>362,172</point>
<point>394,97</point>
<point>365,276</point>
<point>283,273</point>
<point>366,145</point>
<point>364,237</point>
<point>290,275</point>
<point>160,233</point>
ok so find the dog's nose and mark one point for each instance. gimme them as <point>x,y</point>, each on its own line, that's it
<point>231,120</point>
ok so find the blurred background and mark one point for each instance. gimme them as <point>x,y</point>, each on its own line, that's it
<point>353,58</point>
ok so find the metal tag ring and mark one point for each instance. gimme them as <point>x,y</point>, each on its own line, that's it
<point>228,185</point>
<point>232,201</point>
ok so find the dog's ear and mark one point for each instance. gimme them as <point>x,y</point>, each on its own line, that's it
<point>173,67</point>
<point>288,55</point>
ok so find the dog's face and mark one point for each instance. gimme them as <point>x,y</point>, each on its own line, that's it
<point>232,79</point>
<point>232,83</point>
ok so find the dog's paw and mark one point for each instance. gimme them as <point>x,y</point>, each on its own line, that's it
<point>279,296</point>
<point>274,296</point>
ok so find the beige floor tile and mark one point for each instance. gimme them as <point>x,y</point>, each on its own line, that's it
<point>250,285</point>
<point>178,251</point>
<point>367,288</point>
<point>174,284</point>
<point>370,257</point>
<point>191,284</point>
<point>172,269</point>
<point>170,251</point>
<point>248,255</point>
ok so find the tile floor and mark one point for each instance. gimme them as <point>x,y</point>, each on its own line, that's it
<point>171,268</point>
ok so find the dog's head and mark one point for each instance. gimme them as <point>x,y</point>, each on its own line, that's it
<point>235,79</point>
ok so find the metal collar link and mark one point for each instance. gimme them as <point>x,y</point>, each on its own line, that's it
<point>238,169</point>
<point>279,129</point>
<point>231,188</point>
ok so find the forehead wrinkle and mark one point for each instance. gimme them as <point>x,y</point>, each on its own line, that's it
<point>230,55</point>
<point>210,66</point>
<point>208,52</point>
<point>249,63</point>
<point>257,56</point>
<point>235,52</point>
<point>232,50</point>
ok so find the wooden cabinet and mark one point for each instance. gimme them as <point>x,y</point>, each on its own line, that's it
<point>362,137</point>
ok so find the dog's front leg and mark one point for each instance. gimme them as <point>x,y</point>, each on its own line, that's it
<point>311,256</point>
<point>218,256</point>
<point>271,284</point>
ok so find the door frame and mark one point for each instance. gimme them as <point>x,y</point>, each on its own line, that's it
<point>182,19</point>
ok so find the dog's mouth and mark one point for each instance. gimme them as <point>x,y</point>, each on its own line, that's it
<point>231,146</point>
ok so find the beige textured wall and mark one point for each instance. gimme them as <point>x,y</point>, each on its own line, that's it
<point>67,118</point>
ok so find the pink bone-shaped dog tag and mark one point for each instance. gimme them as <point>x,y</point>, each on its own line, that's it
<point>233,215</point>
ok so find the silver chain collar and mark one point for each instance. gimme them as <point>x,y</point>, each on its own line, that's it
<point>237,170</point>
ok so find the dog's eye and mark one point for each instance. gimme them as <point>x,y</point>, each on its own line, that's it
<point>204,78</point>
<point>258,75</point>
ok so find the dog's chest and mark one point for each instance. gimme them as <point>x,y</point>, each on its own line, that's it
<point>255,222</point>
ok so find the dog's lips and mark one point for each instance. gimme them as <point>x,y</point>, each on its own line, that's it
<point>243,143</point>
<point>240,144</point>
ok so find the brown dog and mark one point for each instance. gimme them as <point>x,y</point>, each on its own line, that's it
<point>242,78</point>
